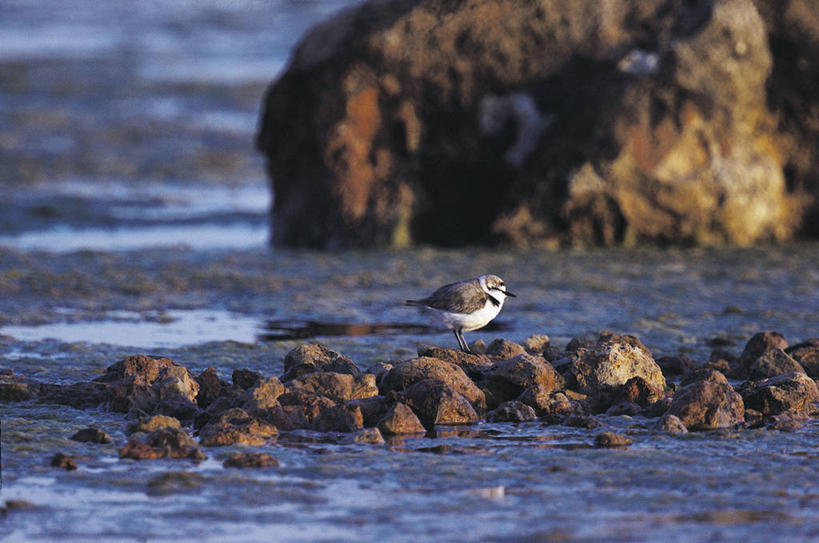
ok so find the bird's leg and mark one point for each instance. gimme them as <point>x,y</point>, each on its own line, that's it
<point>459,335</point>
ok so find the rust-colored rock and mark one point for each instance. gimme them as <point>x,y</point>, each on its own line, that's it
<point>151,424</point>
<point>708,405</point>
<point>604,369</point>
<point>162,443</point>
<point>794,392</point>
<point>508,379</point>
<point>405,374</point>
<point>671,424</point>
<point>436,402</point>
<point>236,426</point>
<point>311,403</point>
<point>473,364</point>
<point>771,363</point>
<point>503,349</point>
<point>406,122</point>
<point>400,419</point>
<point>263,395</point>
<point>312,357</point>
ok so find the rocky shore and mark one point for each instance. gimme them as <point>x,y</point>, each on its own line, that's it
<point>172,413</point>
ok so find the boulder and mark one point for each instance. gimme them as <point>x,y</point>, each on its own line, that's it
<point>311,403</point>
<point>708,405</point>
<point>473,364</point>
<point>508,379</point>
<point>339,387</point>
<point>502,349</point>
<point>287,417</point>
<point>399,123</point>
<point>405,374</point>
<point>312,357</point>
<point>436,402</point>
<point>791,392</point>
<point>758,345</point>
<point>771,363</point>
<point>601,371</point>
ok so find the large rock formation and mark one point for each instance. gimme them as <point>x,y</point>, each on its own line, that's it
<point>543,122</point>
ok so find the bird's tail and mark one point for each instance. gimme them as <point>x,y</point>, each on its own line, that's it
<point>417,303</point>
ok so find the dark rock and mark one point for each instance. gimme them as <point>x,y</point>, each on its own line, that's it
<point>671,424</point>
<point>703,374</point>
<point>162,443</point>
<point>601,371</point>
<point>210,387</point>
<point>340,418</point>
<point>339,387</point>
<point>287,417</point>
<point>807,354</point>
<point>785,424</point>
<point>676,365</point>
<point>151,424</point>
<point>373,409</point>
<point>508,379</point>
<point>512,411</point>
<point>395,124</point>
<point>251,460</point>
<point>311,403</point>
<point>405,374</point>
<point>400,419</point>
<point>582,421</point>
<point>91,435</point>
<point>473,364</point>
<point>245,379</point>
<point>14,392</point>
<point>794,392</point>
<point>64,461</point>
<point>758,345</point>
<point>312,357</point>
<point>547,403</point>
<point>771,363</point>
<point>236,426</point>
<point>77,395</point>
<point>707,405</point>
<point>263,394</point>
<point>638,391</point>
<point>436,402</point>
<point>177,407</point>
<point>611,440</point>
<point>503,349</point>
<point>175,482</point>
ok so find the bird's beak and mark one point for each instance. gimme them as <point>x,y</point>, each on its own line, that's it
<point>509,293</point>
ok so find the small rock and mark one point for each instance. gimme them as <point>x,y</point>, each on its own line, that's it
<point>771,363</point>
<point>150,424</point>
<point>400,419</point>
<point>508,379</point>
<point>91,435</point>
<point>311,403</point>
<point>611,440</point>
<point>472,364</point>
<point>512,411</point>
<point>707,405</point>
<point>14,392</point>
<point>503,349</point>
<point>406,374</point>
<point>671,424</point>
<point>436,402</point>
<point>623,408</point>
<point>236,426</point>
<point>312,357</point>
<point>537,344</point>
<point>251,460</point>
<point>287,417</point>
<point>676,365</point>
<point>162,443</point>
<point>582,421</point>
<point>339,387</point>
<point>64,461</point>
<point>371,436</point>
<point>210,387</point>
<point>175,482</point>
<point>794,392</point>
<point>373,409</point>
<point>263,395</point>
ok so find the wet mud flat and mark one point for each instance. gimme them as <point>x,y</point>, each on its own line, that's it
<point>496,477</point>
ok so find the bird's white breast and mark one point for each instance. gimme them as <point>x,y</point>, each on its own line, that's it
<point>471,321</point>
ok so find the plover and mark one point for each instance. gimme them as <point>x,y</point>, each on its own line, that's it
<point>466,305</point>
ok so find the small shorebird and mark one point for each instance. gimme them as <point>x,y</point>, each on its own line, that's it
<point>466,305</point>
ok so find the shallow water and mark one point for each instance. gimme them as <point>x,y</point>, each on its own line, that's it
<point>133,218</point>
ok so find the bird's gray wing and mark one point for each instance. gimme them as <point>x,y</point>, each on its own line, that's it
<point>457,297</point>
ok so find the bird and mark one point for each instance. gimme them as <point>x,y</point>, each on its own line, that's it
<point>467,305</point>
